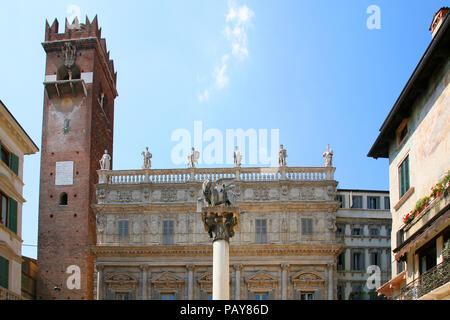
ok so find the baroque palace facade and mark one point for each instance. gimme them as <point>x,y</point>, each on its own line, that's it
<point>138,234</point>
<point>294,240</point>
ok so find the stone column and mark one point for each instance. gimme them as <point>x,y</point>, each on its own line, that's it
<point>330,268</point>
<point>348,290</point>
<point>366,259</point>
<point>144,268</point>
<point>237,268</point>
<point>284,270</point>
<point>384,258</point>
<point>220,223</point>
<point>100,268</point>
<point>221,270</point>
<point>348,260</point>
<point>190,293</point>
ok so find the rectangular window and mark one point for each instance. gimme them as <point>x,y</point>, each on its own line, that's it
<point>261,230</point>
<point>399,237</point>
<point>8,213</point>
<point>340,198</point>
<point>357,202</point>
<point>4,273</point>
<point>374,231</point>
<point>168,232</point>
<point>387,203</point>
<point>123,296</point>
<point>356,232</point>
<point>261,296</point>
<point>374,258</point>
<point>307,226</point>
<point>306,296</point>
<point>167,296</point>
<point>10,159</point>
<point>341,261</point>
<point>357,261</point>
<point>340,230</point>
<point>5,157</point>
<point>373,202</point>
<point>4,209</point>
<point>124,228</point>
<point>403,176</point>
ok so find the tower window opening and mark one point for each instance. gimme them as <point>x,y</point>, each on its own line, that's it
<point>63,199</point>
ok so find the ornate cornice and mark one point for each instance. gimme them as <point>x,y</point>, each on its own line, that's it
<point>206,250</point>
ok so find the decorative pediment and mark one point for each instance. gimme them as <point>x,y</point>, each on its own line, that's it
<point>310,279</point>
<point>261,276</point>
<point>261,280</point>
<point>120,282</point>
<point>120,278</point>
<point>205,281</point>
<point>205,278</point>
<point>167,277</point>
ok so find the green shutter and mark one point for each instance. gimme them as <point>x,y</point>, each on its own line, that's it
<point>14,163</point>
<point>407,174</point>
<point>4,273</point>
<point>12,220</point>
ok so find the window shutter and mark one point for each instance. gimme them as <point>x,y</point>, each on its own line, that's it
<point>12,220</point>
<point>271,295</point>
<point>4,273</point>
<point>14,163</point>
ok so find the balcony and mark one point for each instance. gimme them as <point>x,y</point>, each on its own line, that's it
<point>6,294</point>
<point>434,283</point>
<point>252,174</point>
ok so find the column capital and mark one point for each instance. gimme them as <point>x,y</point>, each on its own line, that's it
<point>285,266</point>
<point>143,267</point>
<point>220,221</point>
<point>237,266</point>
<point>190,266</point>
<point>99,267</point>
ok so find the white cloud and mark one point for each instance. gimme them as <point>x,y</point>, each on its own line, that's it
<point>237,22</point>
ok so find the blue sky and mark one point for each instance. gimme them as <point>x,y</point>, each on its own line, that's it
<point>311,69</point>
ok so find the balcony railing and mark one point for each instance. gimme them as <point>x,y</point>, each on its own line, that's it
<point>252,174</point>
<point>6,294</point>
<point>430,280</point>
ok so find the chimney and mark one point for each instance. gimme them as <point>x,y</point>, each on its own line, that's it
<point>438,19</point>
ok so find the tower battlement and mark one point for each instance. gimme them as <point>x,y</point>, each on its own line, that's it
<point>77,31</point>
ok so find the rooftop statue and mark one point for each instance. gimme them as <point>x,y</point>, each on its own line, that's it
<point>328,155</point>
<point>282,155</point>
<point>147,156</point>
<point>105,161</point>
<point>193,158</point>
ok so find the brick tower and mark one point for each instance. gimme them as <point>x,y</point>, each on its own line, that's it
<point>80,88</point>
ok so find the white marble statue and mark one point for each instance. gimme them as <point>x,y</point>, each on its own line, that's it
<point>147,156</point>
<point>105,161</point>
<point>328,155</point>
<point>237,157</point>
<point>282,155</point>
<point>193,158</point>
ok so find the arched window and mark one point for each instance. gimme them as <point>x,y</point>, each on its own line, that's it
<point>63,72</point>
<point>63,199</point>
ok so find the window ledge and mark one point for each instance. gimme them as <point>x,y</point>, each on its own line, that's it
<point>404,198</point>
